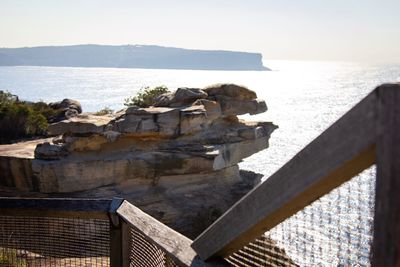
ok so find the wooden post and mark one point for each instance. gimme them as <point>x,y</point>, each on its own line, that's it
<point>172,243</point>
<point>126,243</point>
<point>386,244</point>
<point>115,234</point>
<point>341,152</point>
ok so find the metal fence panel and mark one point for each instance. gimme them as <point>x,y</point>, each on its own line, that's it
<point>336,230</point>
<point>44,241</point>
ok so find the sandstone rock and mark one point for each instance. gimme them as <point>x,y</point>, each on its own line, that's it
<point>251,133</point>
<point>82,124</point>
<point>193,119</point>
<point>111,136</point>
<point>232,106</point>
<point>67,109</point>
<point>181,97</point>
<point>156,120</point>
<point>233,153</point>
<point>147,111</point>
<point>125,124</point>
<point>70,113</point>
<point>168,122</point>
<point>48,151</point>
<point>91,143</point>
<point>174,161</point>
<point>213,108</point>
<point>230,90</point>
<point>67,104</point>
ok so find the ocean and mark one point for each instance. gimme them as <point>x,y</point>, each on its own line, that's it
<point>303,98</point>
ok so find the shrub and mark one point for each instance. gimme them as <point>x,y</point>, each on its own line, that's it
<point>10,258</point>
<point>146,96</point>
<point>104,111</point>
<point>20,119</point>
<point>49,113</point>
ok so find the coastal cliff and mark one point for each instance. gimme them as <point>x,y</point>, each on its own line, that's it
<point>130,56</point>
<point>177,160</point>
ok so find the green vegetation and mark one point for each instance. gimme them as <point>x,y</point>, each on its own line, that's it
<point>104,111</point>
<point>10,258</point>
<point>146,96</point>
<point>19,119</point>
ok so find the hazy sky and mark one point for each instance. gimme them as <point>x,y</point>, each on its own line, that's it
<point>354,30</point>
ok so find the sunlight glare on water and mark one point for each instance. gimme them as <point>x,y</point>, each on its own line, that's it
<point>303,98</point>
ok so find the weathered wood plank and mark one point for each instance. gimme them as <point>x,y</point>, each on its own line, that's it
<point>55,207</point>
<point>171,242</point>
<point>116,258</point>
<point>115,245</point>
<point>342,151</point>
<point>386,244</point>
<point>126,244</point>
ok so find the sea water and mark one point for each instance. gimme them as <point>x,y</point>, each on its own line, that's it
<point>303,99</point>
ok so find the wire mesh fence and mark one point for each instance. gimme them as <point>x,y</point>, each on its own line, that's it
<point>144,253</point>
<point>44,241</point>
<point>336,230</point>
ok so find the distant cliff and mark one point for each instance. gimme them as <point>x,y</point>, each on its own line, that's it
<point>130,56</point>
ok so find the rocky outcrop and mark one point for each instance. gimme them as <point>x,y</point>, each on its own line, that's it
<point>67,109</point>
<point>181,97</point>
<point>173,160</point>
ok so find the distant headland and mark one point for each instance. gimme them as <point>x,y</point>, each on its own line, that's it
<point>130,56</point>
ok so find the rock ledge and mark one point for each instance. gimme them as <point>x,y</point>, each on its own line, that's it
<point>172,160</point>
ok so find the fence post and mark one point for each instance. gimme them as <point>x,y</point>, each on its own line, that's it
<point>115,234</point>
<point>126,243</point>
<point>386,243</point>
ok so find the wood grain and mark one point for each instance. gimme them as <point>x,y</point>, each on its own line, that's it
<point>339,153</point>
<point>171,242</point>
<point>386,244</point>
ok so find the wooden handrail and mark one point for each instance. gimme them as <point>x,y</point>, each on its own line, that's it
<point>175,245</point>
<point>339,153</point>
<point>386,242</point>
<point>368,133</point>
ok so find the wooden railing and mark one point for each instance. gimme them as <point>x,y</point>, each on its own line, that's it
<point>164,245</point>
<point>173,244</point>
<point>369,133</point>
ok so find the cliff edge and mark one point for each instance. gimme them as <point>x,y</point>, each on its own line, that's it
<point>130,56</point>
<point>177,160</point>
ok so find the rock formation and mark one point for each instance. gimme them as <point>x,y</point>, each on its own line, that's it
<point>67,108</point>
<point>177,160</point>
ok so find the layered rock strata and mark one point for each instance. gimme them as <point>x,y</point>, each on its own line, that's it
<point>177,160</point>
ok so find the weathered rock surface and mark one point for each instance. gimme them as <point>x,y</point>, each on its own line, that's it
<point>181,97</point>
<point>80,124</point>
<point>175,162</point>
<point>67,104</point>
<point>68,108</point>
<point>231,90</point>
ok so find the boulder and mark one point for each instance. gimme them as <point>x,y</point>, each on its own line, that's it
<point>233,106</point>
<point>70,113</point>
<point>181,97</point>
<point>67,109</point>
<point>67,104</point>
<point>50,151</point>
<point>230,90</point>
<point>82,124</point>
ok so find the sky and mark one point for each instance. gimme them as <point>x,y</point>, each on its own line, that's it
<point>340,30</point>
